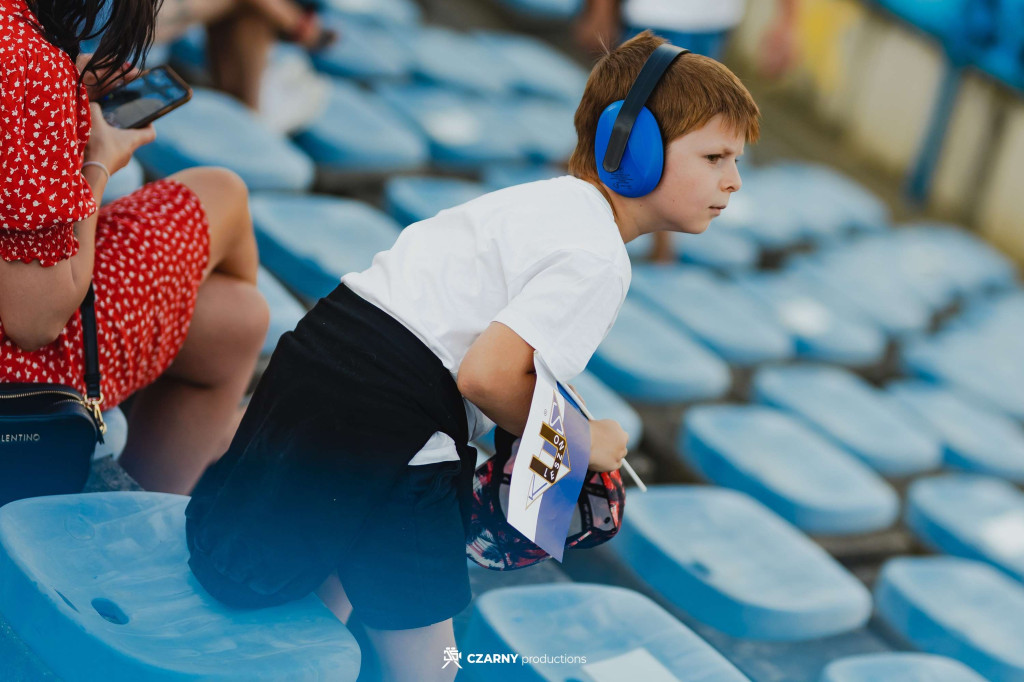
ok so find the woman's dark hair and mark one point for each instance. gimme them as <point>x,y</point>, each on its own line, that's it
<point>126,35</point>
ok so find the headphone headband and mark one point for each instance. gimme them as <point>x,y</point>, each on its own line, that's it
<point>654,68</point>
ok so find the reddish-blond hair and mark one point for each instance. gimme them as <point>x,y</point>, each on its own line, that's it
<point>692,91</point>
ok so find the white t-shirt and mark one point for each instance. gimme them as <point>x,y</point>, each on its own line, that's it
<point>685,16</point>
<point>545,259</point>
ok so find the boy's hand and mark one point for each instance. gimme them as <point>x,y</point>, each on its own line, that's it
<point>607,445</point>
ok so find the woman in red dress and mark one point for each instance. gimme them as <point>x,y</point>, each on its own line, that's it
<point>180,320</point>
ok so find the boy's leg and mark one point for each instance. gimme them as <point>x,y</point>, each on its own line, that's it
<point>415,655</point>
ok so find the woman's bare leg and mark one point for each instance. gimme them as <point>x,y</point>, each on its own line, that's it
<point>332,594</point>
<point>238,47</point>
<point>184,421</point>
<point>414,655</point>
<point>178,16</point>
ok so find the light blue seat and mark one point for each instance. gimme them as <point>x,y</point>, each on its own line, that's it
<point>502,175</point>
<point>545,127</point>
<point>457,60</point>
<point>604,403</point>
<point>533,67</point>
<point>648,359</point>
<point>394,12</point>
<point>188,53</point>
<point>310,242</point>
<point>854,278</point>
<point>970,516</point>
<point>862,419</point>
<point>898,666</point>
<point>763,212</point>
<point>978,354</point>
<point>621,631</point>
<point>959,608</point>
<point>733,564</point>
<point>215,130</point>
<point>941,19</point>
<point>1003,58</point>
<point>789,468</point>
<point>366,51</point>
<point>738,328</point>
<point>360,133</point>
<point>719,248</point>
<point>98,586</point>
<point>463,130</point>
<point>285,310</point>
<point>821,332</point>
<point>116,436</point>
<point>545,9</point>
<point>411,199</point>
<point>974,438</point>
<point>124,182</point>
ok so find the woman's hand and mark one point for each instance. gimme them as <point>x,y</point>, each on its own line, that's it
<point>113,147</point>
<point>607,445</point>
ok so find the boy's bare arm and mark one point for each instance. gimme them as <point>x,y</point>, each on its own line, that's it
<point>497,376</point>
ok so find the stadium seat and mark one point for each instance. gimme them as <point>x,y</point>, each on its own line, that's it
<point>720,248</point>
<point>545,9</point>
<point>544,126</point>
<point>215,130</point>
<point>285,310</point>
<point>959,608</point>
<point>763,213</point>
<point>618,633</point>
<point>463,130</point>
<point>733,564</point>
<point>367,51</point>
<point>358,133</point>
<point>862,419</point>
<point>310,242</point>
<point>532,67</point>
<point>735,326</point>
<point>502,175</point>
<point>970,516</point>
<point>646,358</point>
<point>821,332</point>
<point>974,438</point>
<point>1003,56</point>
<point>116,436</point>
<point>452,59</point>
<point>411,199</point>
<point>394,12</point>
<point>789,468</point>
<point>604,403</point>
<point>898,666</point>
<point>98,586</point>
<point>124,182</point>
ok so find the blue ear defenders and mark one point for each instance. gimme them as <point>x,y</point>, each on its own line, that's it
<point>628,147</point>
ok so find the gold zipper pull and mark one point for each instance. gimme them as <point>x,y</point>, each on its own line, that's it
<point>94,405</point>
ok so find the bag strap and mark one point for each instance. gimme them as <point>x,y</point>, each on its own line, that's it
<point>94,396</point>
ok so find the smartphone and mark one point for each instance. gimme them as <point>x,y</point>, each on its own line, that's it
<point>137,104</point>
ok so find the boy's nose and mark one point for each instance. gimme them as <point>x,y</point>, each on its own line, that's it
<point>732,181</point>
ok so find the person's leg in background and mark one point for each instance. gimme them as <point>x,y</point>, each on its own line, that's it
<point>183,421</point>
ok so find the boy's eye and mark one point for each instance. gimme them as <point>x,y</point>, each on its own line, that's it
<point>713,158</point>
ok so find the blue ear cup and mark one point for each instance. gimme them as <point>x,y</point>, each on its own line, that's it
<point>642,162</point>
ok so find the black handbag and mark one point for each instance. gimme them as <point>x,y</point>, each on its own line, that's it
<point>48,432</point>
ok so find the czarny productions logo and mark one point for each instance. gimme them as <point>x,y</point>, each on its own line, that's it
<point>453,655</point>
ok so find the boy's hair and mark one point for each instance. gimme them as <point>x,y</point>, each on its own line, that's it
<point>692,91</point>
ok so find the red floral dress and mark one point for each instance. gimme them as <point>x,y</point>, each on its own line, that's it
<point>151,246</point>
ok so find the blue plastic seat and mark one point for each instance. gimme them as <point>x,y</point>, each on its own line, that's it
<point>1003,58</point>
<point>821,332</point>
<point>974,438</point>
<point>624,636</point>
<point>367,51</point>
<point>124,182</point>
<point>545,9</point>
<point>215,130</point>
<point>394,12</point>
<point>360,133</point>
<point>719,248</point>
<point>604,403</point>
<point>463,130</point>
<point>310,242</point>
<point>738,328</point>
<point>942,19</point>
<point>448,58</point>
<point>545,127</point>
<point>648,359</point>
<point>285,310</point>
<point>796,473</point>
<point>411,199</point>
<point>502,175</point>
<point>98,586</point>
<point>116,436</point>
<point>533,67</point>
<point>763,212</point>
<point>862,419</point>
<point>898,666</point>
<point>959,608</point>
<point>733,564</point>
<point>970,516</point>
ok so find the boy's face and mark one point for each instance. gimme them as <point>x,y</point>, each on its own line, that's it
<point>700,175</point>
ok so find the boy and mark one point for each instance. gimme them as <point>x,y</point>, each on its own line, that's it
<point>351,469</point>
